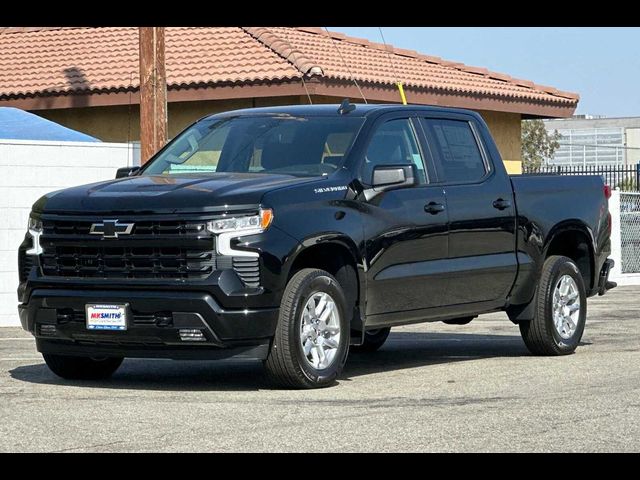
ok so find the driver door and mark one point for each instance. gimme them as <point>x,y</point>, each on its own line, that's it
<point>406,230</point>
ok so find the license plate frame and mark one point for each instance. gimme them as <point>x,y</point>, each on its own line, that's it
<point>116,323</point>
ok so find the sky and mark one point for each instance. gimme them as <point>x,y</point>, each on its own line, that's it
<point>601,64</point>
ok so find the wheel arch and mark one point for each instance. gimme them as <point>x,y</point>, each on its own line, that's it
<point>331,253</point>
<point>574,239</point>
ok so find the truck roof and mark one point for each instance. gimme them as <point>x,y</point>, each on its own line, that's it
<point>361,110</point>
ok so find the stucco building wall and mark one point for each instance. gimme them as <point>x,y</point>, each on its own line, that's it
<point>122,123</point>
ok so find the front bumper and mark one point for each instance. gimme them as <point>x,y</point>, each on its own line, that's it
<point>56,318</point>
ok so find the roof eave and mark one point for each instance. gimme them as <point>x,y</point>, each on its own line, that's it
<point>555,107</point>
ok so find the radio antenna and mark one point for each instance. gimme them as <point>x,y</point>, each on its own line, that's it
<point>393,68</point>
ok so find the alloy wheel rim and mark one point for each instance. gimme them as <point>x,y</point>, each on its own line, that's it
<point>320,330</point>
<point>566,307</point>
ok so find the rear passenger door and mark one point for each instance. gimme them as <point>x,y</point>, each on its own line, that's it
<point>482,262</point>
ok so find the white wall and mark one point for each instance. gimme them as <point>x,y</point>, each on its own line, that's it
<point>28,170</point>
<point>616,274</point>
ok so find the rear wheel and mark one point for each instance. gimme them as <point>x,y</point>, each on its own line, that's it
<point>82,368</point>
<point>561,310</point>
<point>311,342</point>
<point>373,340</point>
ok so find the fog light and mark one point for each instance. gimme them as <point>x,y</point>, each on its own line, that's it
<point>191,335</point>
<point>47,330</point>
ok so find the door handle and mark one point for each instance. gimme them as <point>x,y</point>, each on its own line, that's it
<point>501,204</point>
<point>434,208</point>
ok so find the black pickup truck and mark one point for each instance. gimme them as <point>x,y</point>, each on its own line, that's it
<point>289,234</point>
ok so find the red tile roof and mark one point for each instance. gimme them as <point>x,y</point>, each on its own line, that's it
<point>36,62</point>
<point>369,61</point>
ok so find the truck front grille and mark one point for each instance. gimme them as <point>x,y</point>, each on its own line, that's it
<point>157,249</point>
<point>127,262</point>
<point>143,228</point>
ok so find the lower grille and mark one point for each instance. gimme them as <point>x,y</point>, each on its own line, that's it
<point>159,319</point>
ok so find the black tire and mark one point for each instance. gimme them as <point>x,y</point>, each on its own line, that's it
<point>82,368</point>
<point>540,335</point>
<point>373,340</point>
<point>286,364</point>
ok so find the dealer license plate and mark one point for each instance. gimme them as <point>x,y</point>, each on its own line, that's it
<point>106,317</point>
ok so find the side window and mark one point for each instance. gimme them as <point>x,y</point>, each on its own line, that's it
<point>393,143</point>
<point>460,157</point>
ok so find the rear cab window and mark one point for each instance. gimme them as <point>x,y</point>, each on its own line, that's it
<point>457,154</point>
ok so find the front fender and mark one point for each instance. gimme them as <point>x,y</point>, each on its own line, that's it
<point>356,254</point>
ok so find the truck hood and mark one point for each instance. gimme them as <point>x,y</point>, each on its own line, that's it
<point>167,194</point>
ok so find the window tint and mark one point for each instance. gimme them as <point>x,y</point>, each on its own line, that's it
<point>394,143</point>
<point>460,157</point>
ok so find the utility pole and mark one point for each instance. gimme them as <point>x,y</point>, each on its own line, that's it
<point>153,91</point>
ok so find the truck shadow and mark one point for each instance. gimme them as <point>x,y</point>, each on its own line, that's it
<point>409,350</point>
<point>402,350</point>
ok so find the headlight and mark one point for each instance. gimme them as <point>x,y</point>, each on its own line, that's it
<point>242,224</point>
<point>35,230</point>
<point>228,228</point>
<point>35,225</point>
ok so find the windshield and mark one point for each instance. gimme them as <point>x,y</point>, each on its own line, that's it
<point>302,146</point>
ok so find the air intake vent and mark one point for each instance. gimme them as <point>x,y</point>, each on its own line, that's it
<point>192,335</point>
<point>248,269</point>
<point>47,330</point>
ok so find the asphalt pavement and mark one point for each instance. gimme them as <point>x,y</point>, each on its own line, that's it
<point>432,387</point>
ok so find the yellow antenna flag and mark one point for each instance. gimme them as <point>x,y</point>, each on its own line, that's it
<point>401,90</point>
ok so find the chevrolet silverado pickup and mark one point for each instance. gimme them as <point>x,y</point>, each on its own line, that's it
<point>291,234</point>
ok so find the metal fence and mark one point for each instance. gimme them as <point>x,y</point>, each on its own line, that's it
<point>630,232</point>
<point>624,178</point>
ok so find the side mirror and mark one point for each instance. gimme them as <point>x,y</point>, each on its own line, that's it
<point>127,172</point>
<point>391,177</point>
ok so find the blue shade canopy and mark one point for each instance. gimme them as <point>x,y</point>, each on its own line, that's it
<point>16,124</point>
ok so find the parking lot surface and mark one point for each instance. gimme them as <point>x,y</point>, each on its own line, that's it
<point>432,387</point>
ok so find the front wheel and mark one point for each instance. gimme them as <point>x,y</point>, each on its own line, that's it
<point>561,310</point>
<point>82,368</point>
<point>311,342</point>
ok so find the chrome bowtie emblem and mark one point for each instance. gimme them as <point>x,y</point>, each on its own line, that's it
<point>111,228</point>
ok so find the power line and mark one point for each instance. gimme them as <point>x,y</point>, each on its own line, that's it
<point>386,49</point>
<point>352,78</point>
<point>304,84</point>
